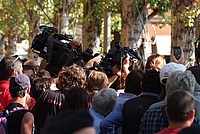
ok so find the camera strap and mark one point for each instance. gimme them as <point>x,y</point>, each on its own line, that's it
<point>50,48</point>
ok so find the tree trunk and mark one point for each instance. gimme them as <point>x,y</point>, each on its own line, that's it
<point>33,30</point>
<point>107,31</point>
<point>181,35</point>
<point>131,34</point>
<point>11,44</point>
<point>65,18</point>
<point>91,27</point>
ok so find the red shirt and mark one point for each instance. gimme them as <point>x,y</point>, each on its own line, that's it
<point>5,96</point>
<point>169,131</point>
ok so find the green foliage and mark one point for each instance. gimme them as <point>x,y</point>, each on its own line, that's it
<point>162,6</point>
<point>190,15</point>
<point>116,22</point>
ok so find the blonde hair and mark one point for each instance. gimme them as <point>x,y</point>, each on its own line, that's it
<point>97,80</point>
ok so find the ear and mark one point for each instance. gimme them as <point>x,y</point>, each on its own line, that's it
<point>166,111</point>
<point>191,115</point>
<point>14,72</point>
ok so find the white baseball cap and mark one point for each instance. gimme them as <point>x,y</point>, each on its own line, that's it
<point>169,68</point>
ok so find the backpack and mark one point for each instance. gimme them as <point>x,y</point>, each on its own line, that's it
<point>3,119</point>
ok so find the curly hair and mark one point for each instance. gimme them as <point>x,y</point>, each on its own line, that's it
<point>73,75</point>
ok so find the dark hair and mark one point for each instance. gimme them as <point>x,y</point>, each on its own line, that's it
<point>151,82</point>
<point>39,85</point>
<point>72,76</point>
<point>43,73</point>
<point>76,98</point>
<point>133,81</point>
<point>16,91</point>
<point>6,68</point>
<point>179,105</point>
<point>28,67</point>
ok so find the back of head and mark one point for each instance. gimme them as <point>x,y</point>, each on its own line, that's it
<point>71,76</point>
<point>97,80</point>
<point>180,81</point>
<point>40,85</point>
<point>18,85</point>
<point>169,68</point>
<point>43,73</point>
<point>76,98</point>
<point>68,122</point>
<point>104,101</point>
<point>133,81</point>
<point>28,70</point>
<point>6,67</point>
<point>151,82</point>
<point>180,104</point>
<point>155,62</point>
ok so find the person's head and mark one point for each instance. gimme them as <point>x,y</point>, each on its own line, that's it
<point>69,122</point>
<point>28,70</point>
<point>43,73</point>
<point>155,62</point>
<point>6,67</point>
<point>151,82</point>
<point>169,68</point>
<point>18,66</point>
<point>97,80</point>
<point>71,76</point>
<point>180,81</point>
<point>40,85</point>
<point>104,101</point>
<point>133,82</point>
<point>76,98</point>
<point>19,85</point>
<point>34,63</point>
<point>180,107</point>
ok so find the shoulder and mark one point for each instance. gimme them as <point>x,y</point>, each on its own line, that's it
<point>28,117</point>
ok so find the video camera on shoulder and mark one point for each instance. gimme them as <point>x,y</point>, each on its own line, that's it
<point>57,49</point>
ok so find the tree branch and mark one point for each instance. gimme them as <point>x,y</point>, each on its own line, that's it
<point>26,9</point>
<point>44,12</point>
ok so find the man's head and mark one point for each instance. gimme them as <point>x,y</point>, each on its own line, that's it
<point>151,82</point>
<point>6,68</point>
<point>133,81</point>
<point>104,101</point>
<point>40,85</point>
<point>19,85</point>
<point>8,65</point>
<point>180,81</point>
<point>69,122</point>
<point>169,68</point>
<point>180,107</point>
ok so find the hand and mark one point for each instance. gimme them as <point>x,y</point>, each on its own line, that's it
<point>126,62</point>
<point>182,58</point>
<point>90,63</point>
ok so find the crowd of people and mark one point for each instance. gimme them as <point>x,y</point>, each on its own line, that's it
<point>162,98</point>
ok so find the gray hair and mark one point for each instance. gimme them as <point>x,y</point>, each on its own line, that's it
<point>180,81</point>
<point>104,101</point>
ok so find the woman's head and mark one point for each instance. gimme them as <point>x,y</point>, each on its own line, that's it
<point>97,80</point>
<point>155,62</point>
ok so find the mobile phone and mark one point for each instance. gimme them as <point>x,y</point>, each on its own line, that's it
<point>177,52</point>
